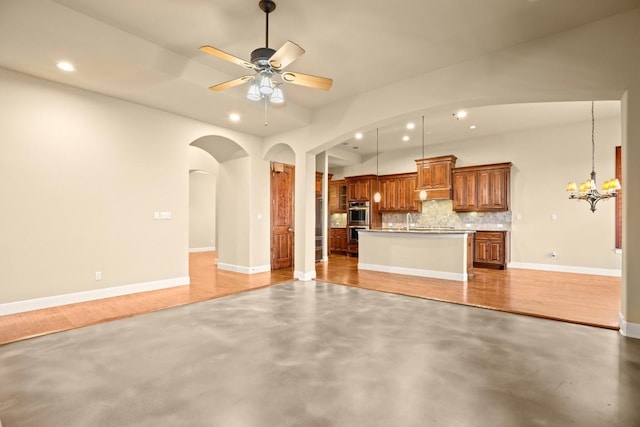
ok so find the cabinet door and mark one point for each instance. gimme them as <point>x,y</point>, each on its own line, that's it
<point>359,189</point>
<point>332,240</point>
<point>482,250</point>
<point>341,240</point>
<point>425,172</point>
<point>492,189</point>
<point>407,195</point>
<point>388,193</point>
<point>496,252</point>
<point>490,249</point>
<point>342,197</point>
<point>464,191</point>
<point>364,189</point>
<point>441,175</point>
<point>333,197</point>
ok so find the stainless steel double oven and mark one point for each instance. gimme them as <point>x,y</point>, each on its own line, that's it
<point>357,219</point>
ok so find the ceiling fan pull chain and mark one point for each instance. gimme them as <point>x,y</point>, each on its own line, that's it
<point>266,123</point>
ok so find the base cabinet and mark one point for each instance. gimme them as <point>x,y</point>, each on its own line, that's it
<point>490,249</point>
<point>338,240</point>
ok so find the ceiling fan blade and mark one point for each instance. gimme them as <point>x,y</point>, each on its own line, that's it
<point>231,83</point>
<point>284,56</point>
<point>227,57</point>
<point>307,80</point>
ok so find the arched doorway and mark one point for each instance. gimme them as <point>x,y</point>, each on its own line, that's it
<point>218,168</point>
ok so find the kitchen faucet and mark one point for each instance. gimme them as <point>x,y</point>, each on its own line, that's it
<point>408,219</point>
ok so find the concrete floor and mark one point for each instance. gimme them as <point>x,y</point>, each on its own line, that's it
<point>317,354</point>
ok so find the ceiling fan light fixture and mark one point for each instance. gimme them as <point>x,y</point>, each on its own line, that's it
<point>277,97</point>
<point>266,86</point>
<point>254,92</point>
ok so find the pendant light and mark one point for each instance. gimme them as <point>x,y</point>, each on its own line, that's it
<point>377,197</point>
<point>588,191</point>
<point>423,192</point>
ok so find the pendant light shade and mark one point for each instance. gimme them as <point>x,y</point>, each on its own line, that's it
<point>266,88</point>
<point>277,97</point>
<point>254,92</point>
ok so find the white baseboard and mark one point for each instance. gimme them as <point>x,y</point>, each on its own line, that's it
<point>461,277</point>
<point>243,269</point>
<point>96,294</point>
<point>205,249</point>
<point>628,329</point>
<point>300,275</point>
<point>567,269</point>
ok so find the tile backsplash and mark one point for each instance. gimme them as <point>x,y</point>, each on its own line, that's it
<point>440,213</point>
<point>338,220</point>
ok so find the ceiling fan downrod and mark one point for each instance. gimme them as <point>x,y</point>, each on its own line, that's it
<point>267,7</point>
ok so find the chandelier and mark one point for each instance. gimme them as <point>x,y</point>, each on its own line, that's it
<point>588,190</point>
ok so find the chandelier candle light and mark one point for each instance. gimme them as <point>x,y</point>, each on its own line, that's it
<point>588,190</point>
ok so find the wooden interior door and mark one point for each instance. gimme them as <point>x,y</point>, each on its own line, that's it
<point>282,224</point>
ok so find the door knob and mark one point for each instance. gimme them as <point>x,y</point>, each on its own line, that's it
<point>291,229</point>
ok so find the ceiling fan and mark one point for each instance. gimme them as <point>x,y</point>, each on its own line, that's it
<point>268,64</point>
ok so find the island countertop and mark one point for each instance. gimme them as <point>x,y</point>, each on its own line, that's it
<point>419,230</point>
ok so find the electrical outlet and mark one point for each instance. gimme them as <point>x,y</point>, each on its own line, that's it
<point>98,275</point>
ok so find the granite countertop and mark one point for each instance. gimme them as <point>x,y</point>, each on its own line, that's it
<point>418,230</point>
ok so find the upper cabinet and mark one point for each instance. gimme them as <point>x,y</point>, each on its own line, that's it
<point>338,196</point>
<point>318,183</point>
<point>359,188</point>
<point>481,188</point>
<point>398,193</point>
<point>434,175</point>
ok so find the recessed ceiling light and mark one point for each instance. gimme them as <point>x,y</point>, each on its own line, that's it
<point>411,125</point>
<point>358,135</point>
<point>473,127</point>
<point>405,138</point>
<point>460,114</point>
<point>66,66</point>
<point>234,117</point>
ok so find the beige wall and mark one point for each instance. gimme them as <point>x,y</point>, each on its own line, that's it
<point>203,171</point>
<point>202,210</point>
<point>81,176</point>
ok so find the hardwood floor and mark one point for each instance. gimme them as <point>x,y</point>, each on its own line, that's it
<point>578,298</point>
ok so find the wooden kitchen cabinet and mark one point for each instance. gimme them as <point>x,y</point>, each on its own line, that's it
<point>490,249</point>
<point>338,196</point>
<point>434,175</point>
<point>464,190</point>
<point>398,193</point>
<point>359,188</point>
<point>483,188</point>
<point>337,240</point>
<point>319,183</point>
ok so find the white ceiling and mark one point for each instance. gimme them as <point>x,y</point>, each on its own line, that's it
<point>146,51</point>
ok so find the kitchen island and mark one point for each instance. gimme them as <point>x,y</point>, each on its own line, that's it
<point>442,254</point>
